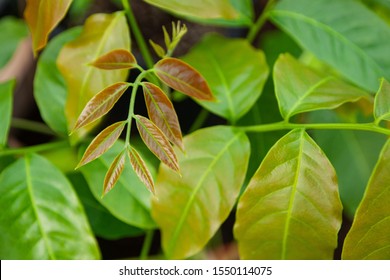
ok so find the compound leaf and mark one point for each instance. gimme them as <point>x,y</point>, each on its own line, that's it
<point>370,231</point>
<point>116,59</point>
<point>141,169</point>
<point>182,77</point>
<point>162,113</point>
<point>214,169</point>
<point>44,218</point>
<point>114,172</point>
<point>291,207</point>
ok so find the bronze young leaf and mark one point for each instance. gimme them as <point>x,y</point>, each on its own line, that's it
<point>101,104</point>
<point>114,172</point>
<point>157,142</point>
<point>141,169</point>
<point>182,77</point>
<point>116,59</point>
<point>102,142</point>
<point>162,113</point>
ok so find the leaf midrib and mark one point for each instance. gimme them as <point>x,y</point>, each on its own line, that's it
<point>191,200</point>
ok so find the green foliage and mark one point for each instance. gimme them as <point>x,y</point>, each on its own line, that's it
<point>185,182</point>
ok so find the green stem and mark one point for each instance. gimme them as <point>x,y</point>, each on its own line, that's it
<point>199,121</point>
<point>35,149</point>
<point>260,21</point>
<point>31,126</point>
<point>138,35</point>
<point>147,245</point>
<point>321,126</point>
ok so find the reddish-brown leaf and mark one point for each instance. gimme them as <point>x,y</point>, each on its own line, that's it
<point>141,169</point>
<point>162,113</point>
<point>102,142</point>
<point>114,172</point>
<point>157,142</point>
<point>116,59</point>
<point>182,77</point>
<point>100,104</point>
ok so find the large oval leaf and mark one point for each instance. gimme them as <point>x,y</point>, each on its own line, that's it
<point>382,102</point>
<point>345,34</point>
<point>50,90</point>
<point>42,17</point>
<point>191,208</point>
<point>13,30</point>
<point>301,89</point>
<point>6,101</point>
<point>44,218</point>
<point>129,201</point>
<point>291,207</point>
<point>220,12</point>
<point>235,71</point>
<point>182,77</point>
<point>370,231</point>
<point>84,81</point>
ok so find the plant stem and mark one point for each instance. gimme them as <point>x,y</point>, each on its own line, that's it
<point>199,121</point>
<point>260,21</point>
<point>321,126</point>
<point>138,35</point>
<point>35,149</point>
<point>147,245</point>
<point>31,126</point>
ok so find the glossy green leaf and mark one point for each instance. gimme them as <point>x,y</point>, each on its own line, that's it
<point>162,113</point>
<point>84,81</point>
<point>157,142</point>
<point>219,12</point>
<point>44,218</point>
<point>190,209</point>
<point>140,168</point>
<point>129,201</point>
<point>100,104</point>
<point>235,71</point>
<point>102,142</point>
<point>352,153</point>
<point>291,208</point>
<point>6,101</point>
<point>382,102</point>
<point>300,89</point>
<point>13,30</point>
<point>368,238</point>
<point>50,90</point>
<point>114,172</point>
<point>42,16</point>
<point>344,34</point>
<point>102,222</point>
<point>116,59</point>
<point>182,77</point>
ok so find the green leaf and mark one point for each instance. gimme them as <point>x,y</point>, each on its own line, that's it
<point>101,104</point>
<point>50,89</point>
<point>141,169</point>
<point>382,102</point>
<point>42,16</point>
<point>102,222</point>
<point>235,71</point>
<point>116,59</point>
<point>114,172</point>
<point>6,98</point>
<point>102,142</point>
<point>217,12</point>
<point>129,201</point>
<point>84,81</point>
<point>12,32</point>
<point>190,209</point>
<point>300,89</point>
<point>44,218</point>
<point>182,77</point>
<point>370,231</point>
<point>344,34</point>
<point>291,208</point>
<point>157,142</point>
<point>162,113</point>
